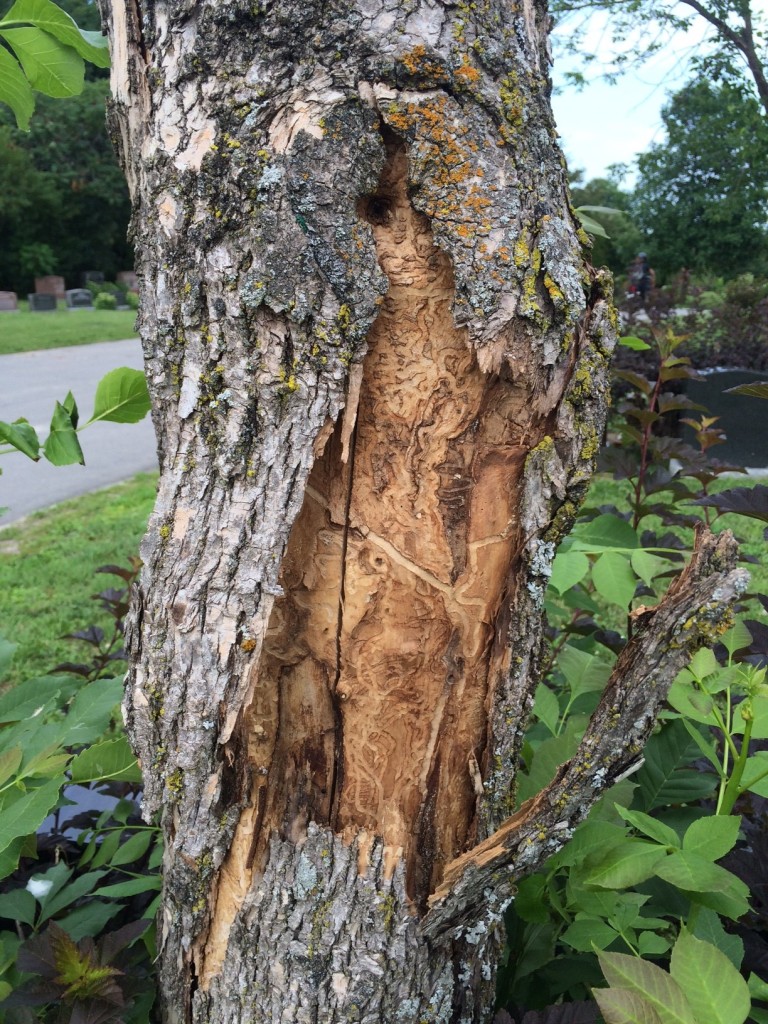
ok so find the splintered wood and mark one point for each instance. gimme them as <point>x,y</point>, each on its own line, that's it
<point>369,707</point>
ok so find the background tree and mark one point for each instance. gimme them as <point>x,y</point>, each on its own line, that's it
<point>65,190</point>
<point>624,237</point>
<point>377,360</point>
<point>735,48</point>
<point>701,196</point>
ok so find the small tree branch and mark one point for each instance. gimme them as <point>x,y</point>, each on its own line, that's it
<point>693,613</point>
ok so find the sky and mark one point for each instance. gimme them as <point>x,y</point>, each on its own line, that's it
<point>604,124</point>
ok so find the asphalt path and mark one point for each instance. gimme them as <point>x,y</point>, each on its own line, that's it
<point>30,385</point>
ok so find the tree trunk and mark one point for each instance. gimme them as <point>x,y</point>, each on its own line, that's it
<point>377,360</point>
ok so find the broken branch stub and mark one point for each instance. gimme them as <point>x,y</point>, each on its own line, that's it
<point>694,612</point>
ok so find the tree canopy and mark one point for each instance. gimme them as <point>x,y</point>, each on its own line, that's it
<point>702,195</point>
<point>735,48</point>
<point>63,190</point>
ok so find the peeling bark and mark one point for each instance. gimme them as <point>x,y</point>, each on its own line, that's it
<point>378,361</point>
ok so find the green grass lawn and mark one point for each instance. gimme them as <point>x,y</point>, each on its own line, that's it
<point>25,331</point>
<point>47,570</point>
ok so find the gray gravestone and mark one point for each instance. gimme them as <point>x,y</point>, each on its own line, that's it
<point>79,298</point>
<point>8,302</point>
<point>39,302</point>
<point>94,276</point>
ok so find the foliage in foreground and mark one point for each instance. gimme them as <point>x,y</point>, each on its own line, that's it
<point>637,897</point>
<point>82,888</point>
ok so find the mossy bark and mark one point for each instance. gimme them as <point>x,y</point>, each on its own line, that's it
<point>377,360</point>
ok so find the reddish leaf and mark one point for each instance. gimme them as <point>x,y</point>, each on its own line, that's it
<point>745,501</point>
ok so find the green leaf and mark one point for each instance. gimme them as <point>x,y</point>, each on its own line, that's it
<point>531,902</point>
<point>587,932</point>
<point>648,566</point>
<point>108,849</point>
<point>546,707</point>
<point>591,835</point>
<point>759,718</point>
<point>91,711</point>
<point>70,405</point>
<point>62,447</point>
<point>614,579</point>
<point>758,988</point>
<point>649,982</point>
<point>9,763</point>
<point>121,397</point>
<point>625,865</point>
<point>18,905</point>
<point>15,90</point>
<point>34,696</point>
<point>693,873</point>
<point>713,836</point>
<point>134,848</point>
<point>87,921</point>
<point>703,663</point>
<point>651,944</point>
<point>651,827</point>
<point>92,46</point>
<point>568,569</point>
<point>714,989</point>
<point>690,701</point>
<point>69,893</point>
<point>623,1006</point>
<point>10,856</point>
<point>24,814</point>
<point>636,344</point>
<point>710,929</point>
<point>755,778</point>
<point>592,226</point>
<point>22,436</point>
<point>50,66</point>
<point>584,673</point>
<point>605,533</point>
<point>147,883</point>
<point>732,904</point>
<point>738,636</point>
<point>549,755</point>
<point>111,759</point>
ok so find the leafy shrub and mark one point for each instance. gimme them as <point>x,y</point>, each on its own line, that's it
<point>132,300</point>
<point>79,896</point>
<point>639,887</point>
<point>709,300</point>
<point>105,300</point>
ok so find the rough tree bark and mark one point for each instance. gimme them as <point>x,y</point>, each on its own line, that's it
<point>377,359</point>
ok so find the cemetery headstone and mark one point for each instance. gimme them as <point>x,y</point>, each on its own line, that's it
<point>79,298</point>
<point>41,302</point>
<point>129,279</point>
<point>51,284</point>
<point>8,302</point>
<point>93,276</point>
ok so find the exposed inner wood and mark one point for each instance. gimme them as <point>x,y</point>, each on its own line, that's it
<point>369,706</point>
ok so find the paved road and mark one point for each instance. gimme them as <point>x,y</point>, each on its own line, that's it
<point>30,384</point>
